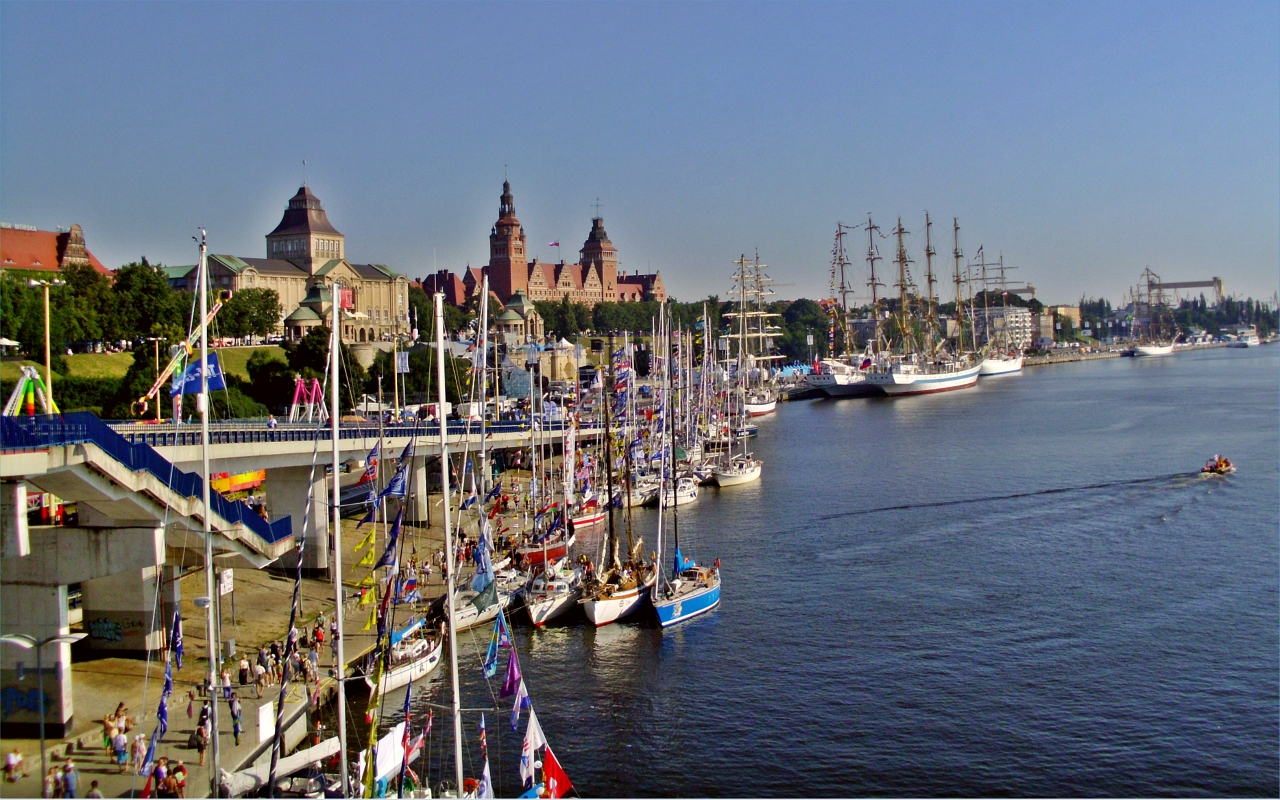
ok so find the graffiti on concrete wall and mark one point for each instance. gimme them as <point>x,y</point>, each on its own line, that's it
<point>13,698</point>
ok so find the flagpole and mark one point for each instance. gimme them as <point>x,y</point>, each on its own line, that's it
<point>448,541</point>
<point>211,632</point>
<point>339,653</point>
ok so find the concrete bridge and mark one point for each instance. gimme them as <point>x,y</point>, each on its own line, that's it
<point>140,521</point>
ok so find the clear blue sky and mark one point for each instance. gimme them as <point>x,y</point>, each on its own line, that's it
<point>1084,141</point>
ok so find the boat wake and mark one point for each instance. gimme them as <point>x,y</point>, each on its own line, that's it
<point>1186,476</point>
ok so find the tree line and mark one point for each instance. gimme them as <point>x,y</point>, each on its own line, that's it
<point>91,309</point>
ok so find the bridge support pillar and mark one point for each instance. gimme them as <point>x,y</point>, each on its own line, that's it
<point>37,611</point>
<point>123,613</point>
<point>289,489</point>
<point>424,479</point>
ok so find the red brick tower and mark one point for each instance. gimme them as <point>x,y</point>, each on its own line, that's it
<point>600,253</point>
<point>508,260</point>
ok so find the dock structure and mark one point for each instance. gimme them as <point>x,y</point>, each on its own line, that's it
<point>140,524</point>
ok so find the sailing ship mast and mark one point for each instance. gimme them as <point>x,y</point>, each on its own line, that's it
<point>339,653</point>
<point>904,281</point>
<point>929,253</point>
<point>839,261</point>
<point>958,255</point>
<point>211,631</point>
<point>448,543</point>
<point>873,255</point>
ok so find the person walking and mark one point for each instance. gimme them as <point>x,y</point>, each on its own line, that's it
<point>94,791</point>
<point>120,744</point>
<point>13,765</point>
<point>50,783</point>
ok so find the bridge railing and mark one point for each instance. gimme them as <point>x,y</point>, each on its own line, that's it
<point>80,427</point>
<point>235,432</point>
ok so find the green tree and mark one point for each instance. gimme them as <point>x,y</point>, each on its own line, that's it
<point>254,312</point>
<point>145,305</point>
<point>271,380</point>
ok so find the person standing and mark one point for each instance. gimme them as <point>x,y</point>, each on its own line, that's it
<point>180,776</point>
<point>235,717</point>
<point>70,778</point>
<point>244,671</point>
<point>13,765</point>
<point>50,783</point>
<point>94,791</point>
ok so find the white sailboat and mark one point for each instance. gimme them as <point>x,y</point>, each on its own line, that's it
<point>553,593</point>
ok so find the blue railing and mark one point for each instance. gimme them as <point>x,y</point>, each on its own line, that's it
<point>166,435</point>
<point>79,427</point>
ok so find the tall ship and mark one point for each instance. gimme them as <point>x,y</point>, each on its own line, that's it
<point>1157,330</point>
<point>918,360</point>
<point>843,376</point>
<point>1002,355</point>
<point>753,357</point>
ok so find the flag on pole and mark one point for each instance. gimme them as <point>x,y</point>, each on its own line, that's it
<point>485,789</point>
<point>554,776</point>
<point>556,243</point>
<point>369,516</point>
<point>371,466</point>
<point>533,739</point>
<point>373,617</point>
<point>512,681</point>
<point>484,746</point>
<point>367,559</point>
<point>367,540</point>
<point>389,555</point>
<point>175,638</point>
<point>522,702</point>
<point>396,486</point>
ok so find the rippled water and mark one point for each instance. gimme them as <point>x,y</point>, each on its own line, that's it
<point>1021,589</point>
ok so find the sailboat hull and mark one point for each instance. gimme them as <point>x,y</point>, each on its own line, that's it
<point>737,475</point>
<point>415,670</point>
<point>760,409</point>
<point>900,384</point>
<point>1153,350</point>
<point>684,607</point>
<point>607,610</point>
<point>544,608</point>
<point>1000,366</point>
<point>533,554</point>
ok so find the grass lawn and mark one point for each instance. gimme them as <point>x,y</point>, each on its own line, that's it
<point>115,365</point>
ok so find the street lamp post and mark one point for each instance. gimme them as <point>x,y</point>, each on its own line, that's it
<point>48,369</point>
<point>27,643</point>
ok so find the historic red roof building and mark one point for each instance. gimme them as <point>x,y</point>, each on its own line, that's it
<point>592,280</point>
<point>45,251</point>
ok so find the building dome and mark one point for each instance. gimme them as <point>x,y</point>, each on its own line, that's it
<point>304,215</point>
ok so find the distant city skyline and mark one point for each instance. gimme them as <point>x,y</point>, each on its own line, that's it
<point>1083,141</point>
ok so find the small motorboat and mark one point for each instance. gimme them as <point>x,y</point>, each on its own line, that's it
<point>1218,466</point>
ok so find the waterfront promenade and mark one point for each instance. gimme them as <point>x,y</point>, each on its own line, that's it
<point>262,607</point>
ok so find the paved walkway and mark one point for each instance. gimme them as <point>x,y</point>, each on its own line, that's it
<point>261,615</point>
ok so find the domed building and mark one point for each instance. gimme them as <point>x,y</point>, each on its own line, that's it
<point>306,258</point>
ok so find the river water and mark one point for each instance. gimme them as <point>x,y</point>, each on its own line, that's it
<point>1019,589</point>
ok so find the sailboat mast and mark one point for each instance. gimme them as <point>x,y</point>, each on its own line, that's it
<point>955,252</point>
<point>484,385</point>
<point>873,255</point>
<point>929,253</point>
<point>339,653</point>
<point>901,260</point>
<point>608,450</point>
<point>211,631</point>
<point>452,569</point>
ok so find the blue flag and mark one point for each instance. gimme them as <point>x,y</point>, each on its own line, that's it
<point>189,381</point>
<point>494,492</point>
<point>168,679</point>
<point>407,453</point>
<point>175,638</point>
<point>396,488</point>
<point>389,555</point>
<point>162,715</point>
<point>372,500</point>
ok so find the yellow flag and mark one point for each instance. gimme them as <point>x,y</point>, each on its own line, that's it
<point>367,580</point>
<point>367,540</point>
<point>366,598</point>
<point>373,617</point>
<point>368,559</point>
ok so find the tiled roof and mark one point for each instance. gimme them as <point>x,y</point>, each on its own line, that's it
<point>38,250</point>
<point>304,215</point>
